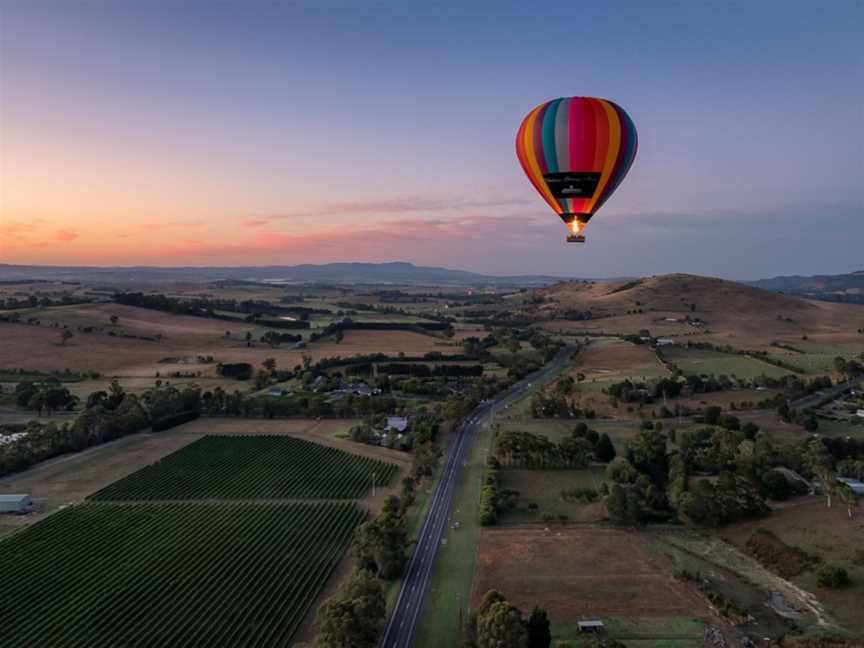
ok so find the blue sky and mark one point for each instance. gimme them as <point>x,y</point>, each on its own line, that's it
<point>242,133</point>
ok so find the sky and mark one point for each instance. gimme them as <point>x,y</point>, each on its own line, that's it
<point>251,133</point>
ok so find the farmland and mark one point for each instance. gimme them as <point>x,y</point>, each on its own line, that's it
<point>252,467</point>
<point>572,560</point>
<point>579,573</point>
<point>697,362</point>
<point>103,574</point>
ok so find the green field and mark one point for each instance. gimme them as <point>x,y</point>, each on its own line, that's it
<point>542,488</point>
<point>662,632</point>
<point>695,362</point>
<point>169,575</point>
<point>252,467</point>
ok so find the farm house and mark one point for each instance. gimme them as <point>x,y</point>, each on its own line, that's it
<point>15,503</point>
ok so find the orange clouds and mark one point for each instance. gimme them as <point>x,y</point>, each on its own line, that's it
<point>66,236</point>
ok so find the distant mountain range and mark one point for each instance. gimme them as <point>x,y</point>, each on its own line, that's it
<point>847,288</point>
<point>397,272</point>
<point>843,287</point>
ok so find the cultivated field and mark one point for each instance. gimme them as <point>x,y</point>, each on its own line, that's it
<point>252,467</point>
<point>170,574</point>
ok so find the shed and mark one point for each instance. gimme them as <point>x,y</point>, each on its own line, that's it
<point>665,342</point>
<point>594,625</point>
<point>14,503</point>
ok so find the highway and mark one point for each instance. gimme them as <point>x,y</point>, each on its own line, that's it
<point>402,624</point>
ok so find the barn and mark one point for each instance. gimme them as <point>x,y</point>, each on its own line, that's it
<point>10,503</point>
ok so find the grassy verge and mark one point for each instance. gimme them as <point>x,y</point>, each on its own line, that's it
<point>450,586</point>
<point>414,521</point>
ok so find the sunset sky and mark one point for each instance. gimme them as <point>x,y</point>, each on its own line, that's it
<point>157,133</point>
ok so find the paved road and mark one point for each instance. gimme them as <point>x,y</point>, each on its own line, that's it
<point>825,396</point>
<point>402,624</point>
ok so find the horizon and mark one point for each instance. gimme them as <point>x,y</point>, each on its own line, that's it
<point>184,137</point>
<point>426,267</point>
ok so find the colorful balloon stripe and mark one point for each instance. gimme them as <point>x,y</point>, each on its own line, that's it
<point>591,138</point>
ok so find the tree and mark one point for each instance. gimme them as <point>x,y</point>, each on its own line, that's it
<point>272,339</point>
<point>65,336</point>
<point>248,338</point>
<point>604,450</point>
<point>114,319</point>
<point>539,635</point>
<point>354,617</point>
<point>501,626</point>
<point>261,379</point>
<point>647,453</point>
<point>381,543</point>
<point>847,498</point>
<point>621,471</point>
<point>620,506</point>
<point>269,364</point>
<point>116,395</point>
<point>826,481</point>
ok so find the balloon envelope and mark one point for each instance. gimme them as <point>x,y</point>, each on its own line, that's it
<point>576,151</point>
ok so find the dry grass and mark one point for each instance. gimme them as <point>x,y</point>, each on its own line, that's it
<point>736,314</point>
<point>38,347</point>
<point>578,573</point>
<point>828,534</point>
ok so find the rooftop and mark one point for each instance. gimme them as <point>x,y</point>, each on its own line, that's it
<point>4,497</point>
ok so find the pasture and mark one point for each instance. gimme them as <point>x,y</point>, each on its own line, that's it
<point>542,489</point>
<point>252,467</point>
<point>230,575</point>
<point>586,573</point>
<point>697,362</point>
<point>167,343</point>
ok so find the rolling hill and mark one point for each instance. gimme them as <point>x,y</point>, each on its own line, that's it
<point>727,311</point>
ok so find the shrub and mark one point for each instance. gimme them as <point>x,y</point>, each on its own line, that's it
<point>779,557</point>
<point>167,422</point>
<point>833,577</point>
<point>238,370</point>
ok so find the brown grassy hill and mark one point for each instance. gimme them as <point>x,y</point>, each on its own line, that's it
<point>730,310</point>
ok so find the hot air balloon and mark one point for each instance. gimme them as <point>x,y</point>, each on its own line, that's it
<point>576,151</point>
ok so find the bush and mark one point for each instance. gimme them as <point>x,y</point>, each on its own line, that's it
<point>238,370</point>
<point>781,558</point>
<point>775,486</point>
<point>833,577</point>
<point>168,422</point>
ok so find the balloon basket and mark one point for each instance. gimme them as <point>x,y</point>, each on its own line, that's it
<point>576,238</point>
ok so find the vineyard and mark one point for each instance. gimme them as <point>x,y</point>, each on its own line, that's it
<point>176,574</point>
<point>252,467</point>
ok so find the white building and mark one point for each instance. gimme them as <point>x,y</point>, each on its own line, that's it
<point>661,342</point>
<point>396,424</point>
